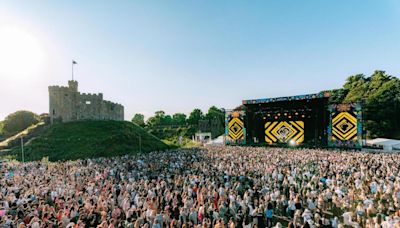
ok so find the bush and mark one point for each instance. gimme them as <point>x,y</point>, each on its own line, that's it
<point>1,128</point>
<point>19,121</point>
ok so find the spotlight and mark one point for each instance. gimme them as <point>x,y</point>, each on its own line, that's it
<point>292,142</point>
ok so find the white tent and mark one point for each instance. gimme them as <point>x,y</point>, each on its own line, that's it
<point>387,144</point>
<point>217,141</point>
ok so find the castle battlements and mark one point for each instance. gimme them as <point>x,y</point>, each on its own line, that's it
<point>66,103</point>
<point>58,88</point>
<point>92,95</point>
<point>113,103</point>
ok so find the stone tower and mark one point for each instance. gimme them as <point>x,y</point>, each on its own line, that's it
<point>73,85</point>
<point>68,104</point>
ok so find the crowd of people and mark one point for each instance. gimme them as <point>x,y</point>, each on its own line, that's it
<point>208,187</point>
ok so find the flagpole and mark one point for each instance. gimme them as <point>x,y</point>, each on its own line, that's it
<point>72,70</point>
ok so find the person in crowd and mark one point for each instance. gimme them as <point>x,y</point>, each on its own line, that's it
<point>205,187</point>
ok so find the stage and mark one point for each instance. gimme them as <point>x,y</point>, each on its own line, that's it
<point>305,120</point>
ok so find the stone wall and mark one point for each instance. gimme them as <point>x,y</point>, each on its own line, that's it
<point>67,104</point>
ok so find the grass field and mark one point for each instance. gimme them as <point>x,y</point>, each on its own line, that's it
<point>85,139</point>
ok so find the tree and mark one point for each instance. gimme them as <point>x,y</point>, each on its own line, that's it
<point>157,119</point>
<point>159,114</point>
<point>337,95</point>
<point>379,94</point>
<point>166,120</point>
<point>179,119</point>
<point>18,121</point>
<point>216,120</point>
<point>138,119</point>
<point>1,127</point>
<point>195,116</point>
<point>215,113</point>
<point>357,86</point>
<point>382,105</point>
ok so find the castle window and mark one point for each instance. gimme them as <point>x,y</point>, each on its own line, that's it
<point>66,95</point>
<point>54,112</point>
<point>88,102</point>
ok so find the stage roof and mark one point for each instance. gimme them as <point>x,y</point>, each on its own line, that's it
<point>290,98</point>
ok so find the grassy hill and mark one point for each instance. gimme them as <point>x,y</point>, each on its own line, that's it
<point>86,139</point>
<point>1,130</point>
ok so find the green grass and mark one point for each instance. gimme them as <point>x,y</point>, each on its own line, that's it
<point>87,139</point>
<point>1,128</point>
<point>186,142</point>
<point>168,132</point>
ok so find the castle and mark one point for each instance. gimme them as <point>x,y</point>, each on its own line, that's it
<point>67,104</point>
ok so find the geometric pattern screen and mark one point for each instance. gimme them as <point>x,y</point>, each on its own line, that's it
<point>284,132</point>
<point>235,130</point>
<point>345,127</point>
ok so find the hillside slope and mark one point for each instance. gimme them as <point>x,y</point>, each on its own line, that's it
<point>27,134</point>
<point>84,139</point>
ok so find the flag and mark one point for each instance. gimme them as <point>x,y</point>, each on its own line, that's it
<point>73,62</point>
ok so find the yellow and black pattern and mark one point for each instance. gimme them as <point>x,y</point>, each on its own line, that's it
<point>284,131</point>
<point>236,129</point>
<point>344,126</point>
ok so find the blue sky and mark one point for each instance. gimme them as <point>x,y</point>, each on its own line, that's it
<point>180,55</point>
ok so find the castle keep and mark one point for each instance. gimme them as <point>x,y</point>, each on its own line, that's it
<point>67,104</point>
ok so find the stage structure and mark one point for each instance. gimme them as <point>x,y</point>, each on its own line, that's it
<point>235,131</point>
<point>306,120</point>
<point>345,126</point>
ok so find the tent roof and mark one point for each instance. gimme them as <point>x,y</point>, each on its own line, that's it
<point>217,141</point>
<point>384,142</point>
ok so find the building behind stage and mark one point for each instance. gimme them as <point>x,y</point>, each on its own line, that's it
<point>66,104</point>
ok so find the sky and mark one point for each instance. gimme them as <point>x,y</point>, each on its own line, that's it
<point>180,55</point>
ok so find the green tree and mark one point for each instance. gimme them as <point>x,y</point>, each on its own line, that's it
<point>195,116</point>
<point>216,118</point>
<point>138,119</point>
<point>379,94</point>
<point>179,119</point>
<point>377,80</point>
<point>18,121</point>
<point>337,95</point>
<point>215,113</point>
<point>357,86</point>
<point>157,119</point>
<point>167,120</point>
<point>382,105</point>
<point>1,128</point>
